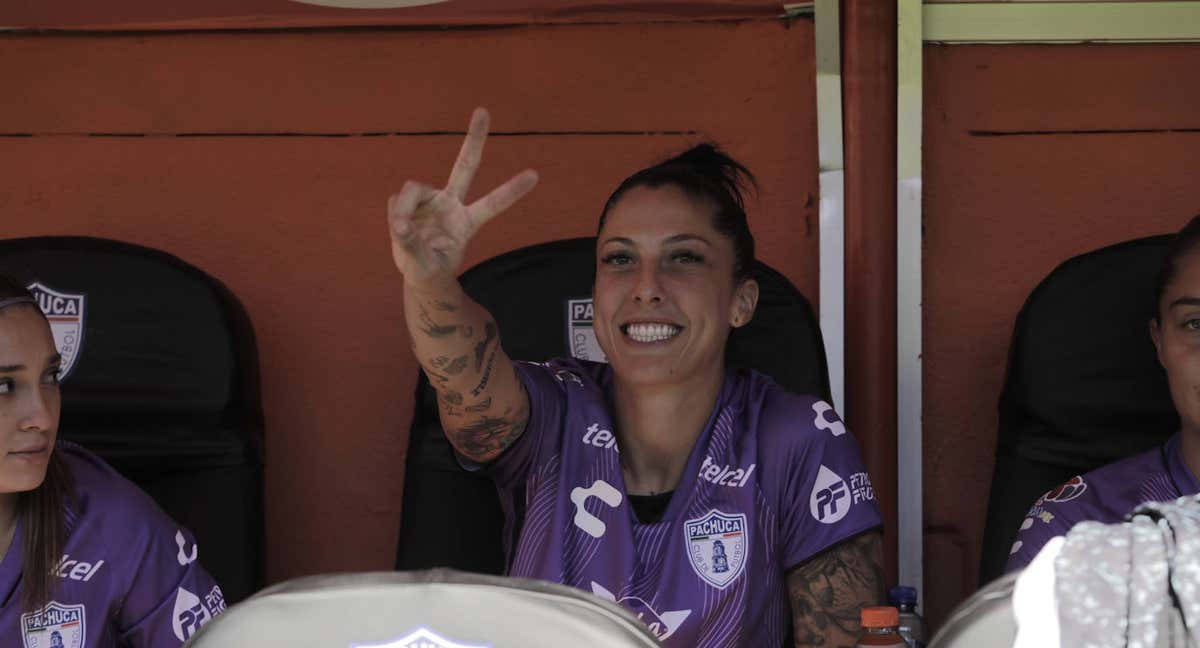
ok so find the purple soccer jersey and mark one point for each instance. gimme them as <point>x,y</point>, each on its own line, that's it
<point>128,576</point>
<point>773,480</point>
<point>1105,495</point>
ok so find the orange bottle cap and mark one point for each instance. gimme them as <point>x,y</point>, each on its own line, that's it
<point>880,617</point>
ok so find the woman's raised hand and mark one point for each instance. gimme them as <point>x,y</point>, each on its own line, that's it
<point>430,227</point>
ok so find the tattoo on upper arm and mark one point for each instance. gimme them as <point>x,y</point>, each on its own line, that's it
<point>489,334</point>
<point>828,591</point>
<point>487,436</point>
<point>482,406</point>
<point>432,328</point>
<point>487,373</point>
<point>452,367</point>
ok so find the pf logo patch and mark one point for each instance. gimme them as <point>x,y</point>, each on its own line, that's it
<point>581,337</point>
<point>717,544</point>
<point>55,626</point>
<point>66,315</point>
<point>830,499</point>
<point>420,638</point>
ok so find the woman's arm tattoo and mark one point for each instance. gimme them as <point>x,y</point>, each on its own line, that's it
<point>828,591</point>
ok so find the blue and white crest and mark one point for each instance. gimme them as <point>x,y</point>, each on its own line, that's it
<point>65,313</point>
<point>717,544</point>
<point>55,626</point>
<point>581,338</point>
<point>420,638</point>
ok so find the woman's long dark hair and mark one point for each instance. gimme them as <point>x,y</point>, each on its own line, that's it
<point>41,512</point>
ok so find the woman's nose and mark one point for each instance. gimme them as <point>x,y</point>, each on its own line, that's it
<point>36,411</point>
<point>648,288</point>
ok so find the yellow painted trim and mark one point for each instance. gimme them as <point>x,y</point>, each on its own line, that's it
<point>1062,22</point>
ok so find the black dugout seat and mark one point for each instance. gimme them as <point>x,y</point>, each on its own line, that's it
<point>160,380</point>
<point>1083,388</point>
<point>541,299</point>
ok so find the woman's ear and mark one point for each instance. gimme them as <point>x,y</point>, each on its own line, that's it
<point>1156,338</point>
<point>745,300</point>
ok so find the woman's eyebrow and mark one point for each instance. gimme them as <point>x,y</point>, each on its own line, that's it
<point>11,368</point>
<point>683,238</point>
<point>1185,301</point>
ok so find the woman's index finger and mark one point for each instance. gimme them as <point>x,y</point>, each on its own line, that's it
<point>469,155</point>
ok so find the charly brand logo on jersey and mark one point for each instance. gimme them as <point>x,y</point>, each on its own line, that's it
<point>717,544</point>
<point>420,638</point>
<point>601,490</point>
<point>191,613</point>
<point>832,498</point>
<point>827,419</point>
<point>66,315</point>
<point>580,334</point>
<point>184,557</point>
<point>725,475</point>
<point>662,625</point>
<point>55,626</point>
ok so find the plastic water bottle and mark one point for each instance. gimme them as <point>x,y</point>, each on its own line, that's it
<point>912,626</point>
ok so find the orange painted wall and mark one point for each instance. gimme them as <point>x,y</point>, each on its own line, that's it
<point>1032,154</point>
<point>266,160</point>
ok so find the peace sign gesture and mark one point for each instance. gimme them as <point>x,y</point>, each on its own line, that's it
<point>430,227</point>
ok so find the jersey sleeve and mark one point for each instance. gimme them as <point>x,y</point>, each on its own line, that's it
<point>1046,519</point>
<point>543,384</point>
<point>825,495</point>
<point>170,595</point>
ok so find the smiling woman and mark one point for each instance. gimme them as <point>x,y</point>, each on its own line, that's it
<point>79,541</point>
<point>614,476</point>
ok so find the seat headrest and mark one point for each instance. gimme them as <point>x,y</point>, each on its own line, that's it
<point>431,609</point>
<point>1084,386</point>
<point>141,332</point>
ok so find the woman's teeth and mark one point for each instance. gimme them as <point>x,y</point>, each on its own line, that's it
<point>652,332</point>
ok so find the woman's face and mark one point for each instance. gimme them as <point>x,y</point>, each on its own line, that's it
<point>665,297</point>
<point>29,398</point>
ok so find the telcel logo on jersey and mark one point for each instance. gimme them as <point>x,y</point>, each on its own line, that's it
<point>725,475</point>
<point>65,313</point>
<point>55,626</point>
<point>598,437</point>
<point>420,638</point>
<point>716,545</point>
<point>76,569</point>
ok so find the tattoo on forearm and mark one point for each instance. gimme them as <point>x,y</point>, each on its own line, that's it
<point>432,328</point>
<point>436,376</point>
<point>482,406</point>
<point>451,397</point>
<point>489,334</point>
<point>487,373</point>
<point>828,592</point>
